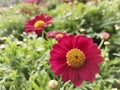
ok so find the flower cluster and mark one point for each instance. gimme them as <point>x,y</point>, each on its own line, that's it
<point>74,58</point>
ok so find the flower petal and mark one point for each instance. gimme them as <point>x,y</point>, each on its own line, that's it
<point>74,76</point>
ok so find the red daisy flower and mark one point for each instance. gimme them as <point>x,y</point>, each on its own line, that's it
<point>76,58</point>
<point>37,23</point>
<point>56,35</point>
<point>30,1</point>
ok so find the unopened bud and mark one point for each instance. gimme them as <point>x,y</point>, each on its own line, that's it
<point>75,2</point>
<point>68,14</point>
<point>118,81</point>
<point>2,47</point>
<point>106,43</point>
<point>117,27</point>
<point>3,39</point>
<point>105,35</point>
<point>53,84</point>
<point>114,89</point>
<point>24,40</point>
<point>19,43</point>
<point>82,30</point>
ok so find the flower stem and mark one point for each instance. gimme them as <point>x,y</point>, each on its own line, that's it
<point>44,33</point>
<point>101,43</point>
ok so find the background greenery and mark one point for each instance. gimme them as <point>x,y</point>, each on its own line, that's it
<point>24,58</point>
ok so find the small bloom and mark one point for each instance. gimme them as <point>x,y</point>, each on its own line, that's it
<point>53,84</point>
<point>30,1</point>
<point>105,35</point>
<point>42,3</point>
<point>37,24</point>
<point>56,35</point>
<point>75,58</point>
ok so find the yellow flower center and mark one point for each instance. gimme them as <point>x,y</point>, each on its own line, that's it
<point>75,58</point>
<point>59,35</point>
<point>39,23</point>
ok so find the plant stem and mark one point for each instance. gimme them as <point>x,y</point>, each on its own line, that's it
<point>101,43</point>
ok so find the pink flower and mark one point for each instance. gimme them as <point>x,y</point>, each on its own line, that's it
<point>75,58</point>
<point>56,35</point>
<point>42,3</point>
<point>30,1</point>
<point>105,35</point>
<point>38,23</point>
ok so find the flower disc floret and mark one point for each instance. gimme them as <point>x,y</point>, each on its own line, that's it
<point>39,23</point>
<point>75,58</point>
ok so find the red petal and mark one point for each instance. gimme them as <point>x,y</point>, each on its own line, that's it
<point>65,74</point>
<point>94,60</point>
<point>84,73</point>
<point>93,69</point>
<point>75,77</point>
<point>60,69</point>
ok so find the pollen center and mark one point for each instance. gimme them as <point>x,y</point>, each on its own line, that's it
<point>75,58</point>
<point>39,23</point>
<point>59,35</point>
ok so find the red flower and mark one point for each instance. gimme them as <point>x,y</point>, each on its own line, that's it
<point>75,58</point>
<point>30,1</point>
<point>56,35</point>
<point>37,23</point>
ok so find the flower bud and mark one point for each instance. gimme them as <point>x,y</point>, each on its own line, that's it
<point>82,30</point>
<point>118,81</point>
<point>106,43</point>
<point>117,27</point>
<point>114,89</point>
<point>19,43</point>
<point>2,47</point>
<point>53,84</point>
<point>105,35</point>
<point>3,38</point>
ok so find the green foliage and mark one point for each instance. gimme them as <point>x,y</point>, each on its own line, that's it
<point>93,17</point>
<point>25,63</point>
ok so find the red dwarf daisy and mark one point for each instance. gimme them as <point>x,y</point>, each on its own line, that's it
<point>76,58</point>
<point>56,35</point>
<point>37,23</point>
<point>30,1</point>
